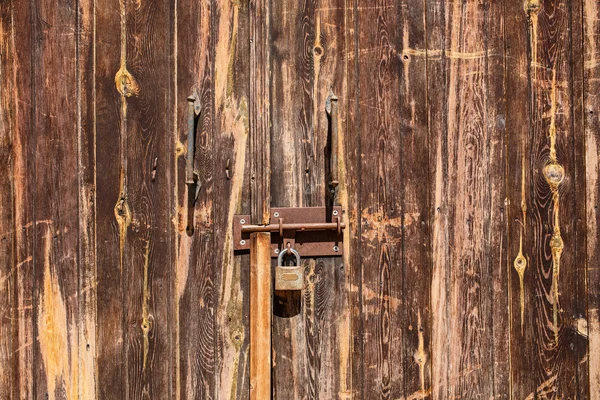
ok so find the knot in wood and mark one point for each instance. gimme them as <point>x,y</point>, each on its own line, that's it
<point>554,174</point>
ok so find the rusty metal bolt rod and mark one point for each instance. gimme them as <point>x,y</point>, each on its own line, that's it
<point>318,226</point>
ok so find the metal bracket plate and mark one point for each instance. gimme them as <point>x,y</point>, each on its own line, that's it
<point>318,243</point>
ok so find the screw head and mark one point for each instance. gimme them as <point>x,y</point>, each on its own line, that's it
<point>335,212</point>
<point>242,242</point>
<point>242,221</point>
<point>276,214</point>
<point>336,249</point>
<point>276,251</point>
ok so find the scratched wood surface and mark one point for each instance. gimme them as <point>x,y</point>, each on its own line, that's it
<point>590,31</point>
<point>468,178</point>
<point>307,44</point>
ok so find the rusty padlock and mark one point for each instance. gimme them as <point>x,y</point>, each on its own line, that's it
<point>289,277</point>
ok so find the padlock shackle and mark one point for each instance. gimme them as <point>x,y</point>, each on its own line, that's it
<point>283,252</point>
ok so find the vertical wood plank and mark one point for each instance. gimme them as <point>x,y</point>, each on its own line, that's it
<point>195,341</point>
<point>21,52</point>
<point>232,194</point>
<point>378,83</point>
<point>56,302</point>
<point>307,62</point>
<point>542,183</point>
<point>414,169</point>
<point>145,78</point>
<point>437,75</point>
<point>111,228</point>
<point>591,46</point>
<point>580,228</point>
<point>326,306</point>
<point>260,312</point>
<point>292,141</point>
<point>86,158</point>
<point>518,179</point>
<point>495,272</point>
<point>260,112</point>
<point>467,234</point>
<point>350,184</point>
<point>259,153</point>
<point>8,273</point>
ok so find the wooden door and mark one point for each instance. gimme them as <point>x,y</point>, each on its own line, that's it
<point>468,178</point>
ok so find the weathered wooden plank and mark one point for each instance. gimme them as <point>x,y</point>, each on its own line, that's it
<point>466,248</point>
<point>495,276</point>
<point>591,47</point>
<point>437,92</point>
<point>195,341</point>
<point>259,109</point>
<point>232,185</point>
<point>111,233</point>
<point>519,201</point>
<point>292,140</point>
<point>20,81</point>
<point>326,308</point>
<point>308,42</point>
<point>147,194</point>
<point>544,344</point>
<point>414,170</point>
<point>260,181</point>
<point>580,229</point>
<point>86,158</point>
<point>378,84</point>
<point>8,273</point>
<point>261,312</point>
<point>55,292</point>
<point>348,193</point>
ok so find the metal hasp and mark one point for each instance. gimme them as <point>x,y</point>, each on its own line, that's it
<point>312,231</point>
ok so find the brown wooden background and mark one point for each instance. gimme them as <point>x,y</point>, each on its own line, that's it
<point>470,269</point>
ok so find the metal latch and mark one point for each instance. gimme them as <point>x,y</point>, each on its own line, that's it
<point>312,231</point>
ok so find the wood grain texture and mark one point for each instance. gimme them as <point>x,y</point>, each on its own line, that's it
<point>541,39</point>
<point>110,234</point>
<point>380,213</point>
<point>591,46</point>
<point>86,158</point>
<point>308,42</point>
<point>350,186</point>
<point>518,177</point>
<point>232,194</point>
<point>22,111</point>
<point>259,109</point>
<point>195,291</point>
<point>580,229</point>
<point>416,261</point>
<point>145,84</point>
<point>468,175</point>
<point>467,196</point>
<point>261,288</point>
<point>8,269</point>
<point>56,184</point>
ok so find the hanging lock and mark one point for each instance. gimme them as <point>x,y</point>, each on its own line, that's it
<point>289,277</point>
